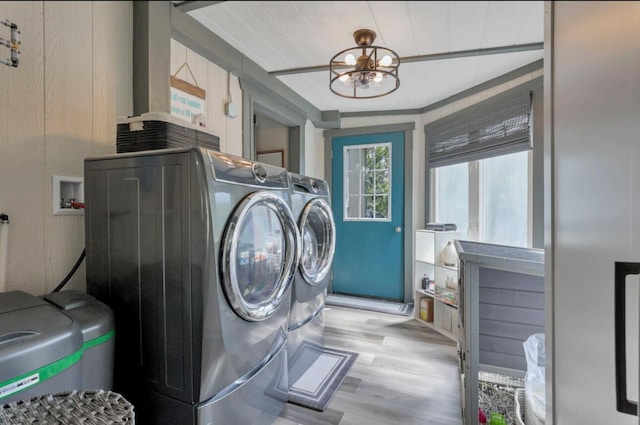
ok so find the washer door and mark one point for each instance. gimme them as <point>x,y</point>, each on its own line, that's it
<point>259,253</point>
<point>318,233</point>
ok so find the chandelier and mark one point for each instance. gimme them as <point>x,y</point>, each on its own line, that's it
<point>365,71</point>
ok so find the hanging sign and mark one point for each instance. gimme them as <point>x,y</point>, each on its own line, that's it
<point>188,101</point>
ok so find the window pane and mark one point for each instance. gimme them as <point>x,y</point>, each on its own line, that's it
<point>452,204</point>
<point>382,158</point>
<point>353,207</point>
<point>353,182</point>
<point>369,187</point>
<point>370,159</point>
<point>382,206</point>
<point>370,207</point>
<point>382,182</point>
<point>504,204</point>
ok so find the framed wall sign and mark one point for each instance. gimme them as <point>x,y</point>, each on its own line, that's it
<point>188,101</point>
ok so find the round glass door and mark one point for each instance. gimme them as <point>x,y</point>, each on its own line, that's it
<point>317,230</point>
<point>259,254</point>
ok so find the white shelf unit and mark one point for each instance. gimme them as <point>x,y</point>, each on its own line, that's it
<point>429,245</point>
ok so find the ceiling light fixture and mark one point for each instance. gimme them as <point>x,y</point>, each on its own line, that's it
<point>365,71</point>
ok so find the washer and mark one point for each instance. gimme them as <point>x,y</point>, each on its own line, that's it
<point>195,252</point>
<point>310,203</point>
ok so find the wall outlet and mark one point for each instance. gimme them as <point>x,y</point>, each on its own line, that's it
<point>65,191</point>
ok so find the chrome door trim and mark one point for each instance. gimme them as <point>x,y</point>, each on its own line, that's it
<point>315,276</point>
<point>265,309</point>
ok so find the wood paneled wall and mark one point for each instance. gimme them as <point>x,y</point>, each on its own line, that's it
<point>59,106</point>
<point>218,84</point>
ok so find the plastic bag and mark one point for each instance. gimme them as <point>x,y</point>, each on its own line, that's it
<point>534,380</point>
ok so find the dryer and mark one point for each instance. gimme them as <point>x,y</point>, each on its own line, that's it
<point>311,205</point>
<point>195,252</point>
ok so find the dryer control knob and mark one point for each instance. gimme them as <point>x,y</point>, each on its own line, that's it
<point>259,173</point>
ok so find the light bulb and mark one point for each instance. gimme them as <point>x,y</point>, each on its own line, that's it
<point>344,77</point>
<point>350,59</point>
<point>385,61</point>
<point>378,77</point>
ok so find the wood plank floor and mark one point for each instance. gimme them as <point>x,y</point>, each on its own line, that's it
<point>405,374</point>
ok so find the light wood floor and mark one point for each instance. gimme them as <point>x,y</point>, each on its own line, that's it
<point>405,374</point>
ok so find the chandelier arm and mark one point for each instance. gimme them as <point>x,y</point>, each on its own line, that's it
<point>374,49</point>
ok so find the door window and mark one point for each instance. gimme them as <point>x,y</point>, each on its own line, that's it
<point>367,182</point>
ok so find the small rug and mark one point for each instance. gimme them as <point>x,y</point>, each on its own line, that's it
<point>317,372</point>
<point>380,306</point>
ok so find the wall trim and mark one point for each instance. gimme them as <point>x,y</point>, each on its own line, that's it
<point>509,76</point>
<point>357,131</point>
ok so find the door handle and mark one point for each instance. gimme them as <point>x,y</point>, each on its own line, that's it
<point>398,229</point>
<point>622,270</point>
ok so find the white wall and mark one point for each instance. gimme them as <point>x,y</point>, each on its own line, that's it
<point>595,218</point>
<point>59,106</point>
<point>219,88</point>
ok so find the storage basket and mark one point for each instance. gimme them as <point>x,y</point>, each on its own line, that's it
<point>70,408</point>
<point>519,406</point>
<point>156,130</point>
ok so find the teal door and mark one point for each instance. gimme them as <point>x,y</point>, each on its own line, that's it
<point>368,207</point>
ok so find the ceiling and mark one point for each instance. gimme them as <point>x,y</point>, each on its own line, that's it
<point>289,35</point>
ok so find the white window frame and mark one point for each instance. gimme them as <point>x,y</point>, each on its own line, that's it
<point>345,182</point>
<point>475,231</point>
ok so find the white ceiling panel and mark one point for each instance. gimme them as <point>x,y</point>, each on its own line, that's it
<point>532,30</point>
<point>289,35</point>
<point>429,21</point>
<point>508,18</point>
<point>467,24</point>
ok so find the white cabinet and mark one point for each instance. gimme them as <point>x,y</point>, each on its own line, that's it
<point>429,262</point>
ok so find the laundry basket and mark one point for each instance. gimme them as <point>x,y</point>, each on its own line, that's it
<point>519,406</point>
<point>70,408</point>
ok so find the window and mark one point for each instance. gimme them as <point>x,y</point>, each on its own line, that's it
<point>452,195</point>
<point>488,198</point>
<point>481,173</point>
<point>504,199</point>
<point>367,184</point>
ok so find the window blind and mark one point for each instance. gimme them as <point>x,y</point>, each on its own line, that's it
<point>490,128</point>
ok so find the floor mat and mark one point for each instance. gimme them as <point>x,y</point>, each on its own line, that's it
<point>370,304</point>
<point>316,373</point>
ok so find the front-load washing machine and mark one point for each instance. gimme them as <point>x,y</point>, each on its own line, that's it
<point>195,252</point>
<point>310,203</point>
